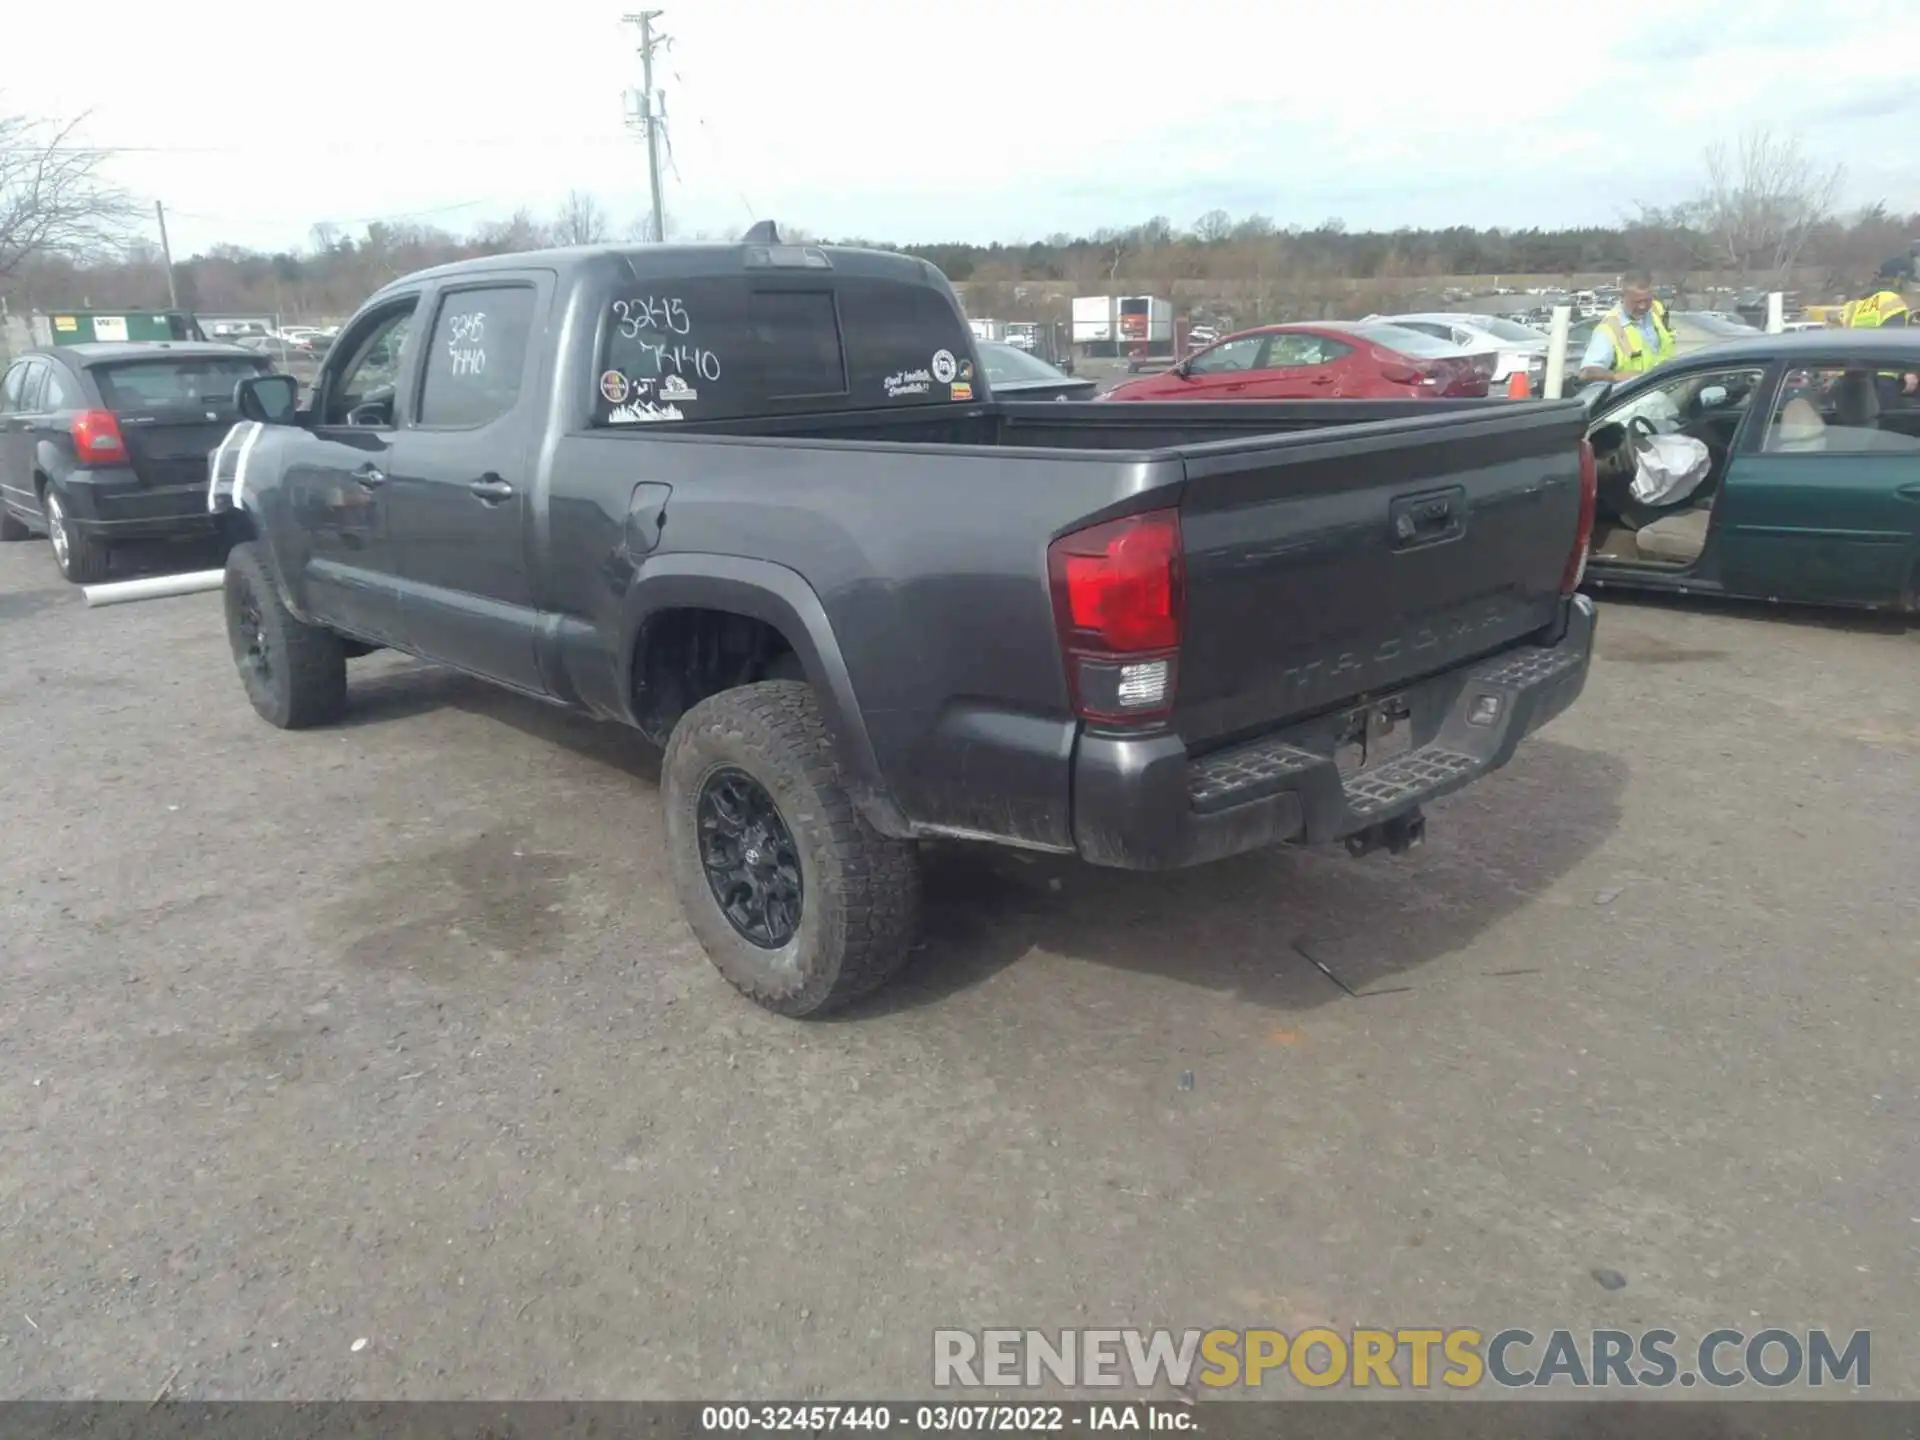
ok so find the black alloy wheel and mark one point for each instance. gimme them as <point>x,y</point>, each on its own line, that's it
<point>254,655</point>
<point>751,862</point>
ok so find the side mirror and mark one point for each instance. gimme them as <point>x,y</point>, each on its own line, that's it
<point>269,399</point>
<point>1184,369</point>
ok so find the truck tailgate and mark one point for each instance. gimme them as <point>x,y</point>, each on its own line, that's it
<point>1329,566</point>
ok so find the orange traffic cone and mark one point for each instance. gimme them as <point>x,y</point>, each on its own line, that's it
<point>1519,387</point>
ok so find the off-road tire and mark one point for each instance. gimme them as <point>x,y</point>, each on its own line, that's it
<point>860,908</point>
<point>86,561</point>
<point>304,680</point>
<point>13,528</point>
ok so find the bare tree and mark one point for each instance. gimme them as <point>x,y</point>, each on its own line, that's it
<point>581,221</point>
<point>1214,226</point>
<point>1114,246</point>
<point>324,235</point>
<point>1763,201</point>
<point>53,198</point>
<point>518,232</point>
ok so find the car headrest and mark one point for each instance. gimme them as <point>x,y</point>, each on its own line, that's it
<point>1856,401</point>
<point>1800,427</point>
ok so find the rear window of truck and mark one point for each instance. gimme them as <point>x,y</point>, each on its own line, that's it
<point>202,382</point>
<point>722,349</point>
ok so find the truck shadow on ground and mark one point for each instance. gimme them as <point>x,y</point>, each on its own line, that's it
<point>385,688</point>
<point>1287,928</point>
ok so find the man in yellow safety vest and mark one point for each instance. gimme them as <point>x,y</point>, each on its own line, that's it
<point>1883,307</point>
<point>1632,339</point>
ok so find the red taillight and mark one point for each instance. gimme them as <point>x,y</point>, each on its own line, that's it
<point>1583,537</point>
<point>97,439</point>
<point>1119,598</point>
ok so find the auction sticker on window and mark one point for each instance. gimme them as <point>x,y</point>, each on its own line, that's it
<point>960,390</point>
<point>613,387</point>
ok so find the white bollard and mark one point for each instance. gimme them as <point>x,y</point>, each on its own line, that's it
<point>154,587</point>
<point>1555,384</point>
<point>1776,313</point>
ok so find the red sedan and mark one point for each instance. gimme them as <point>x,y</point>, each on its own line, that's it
<point>1324,360</point>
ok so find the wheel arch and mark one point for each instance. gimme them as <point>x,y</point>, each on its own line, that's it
<point>780,599</point>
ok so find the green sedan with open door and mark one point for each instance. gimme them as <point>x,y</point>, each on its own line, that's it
<point>1811,485</point>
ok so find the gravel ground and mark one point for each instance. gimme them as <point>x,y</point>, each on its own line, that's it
<point>393,1032</point>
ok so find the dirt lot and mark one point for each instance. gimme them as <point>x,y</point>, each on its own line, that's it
<point>392,1032</point>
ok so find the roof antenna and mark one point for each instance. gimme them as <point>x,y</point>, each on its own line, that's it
<point>762,233</point>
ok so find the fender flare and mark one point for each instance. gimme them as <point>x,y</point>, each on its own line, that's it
<point>783,599</point>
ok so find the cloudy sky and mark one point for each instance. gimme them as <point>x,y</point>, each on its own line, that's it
<point>981,120</point>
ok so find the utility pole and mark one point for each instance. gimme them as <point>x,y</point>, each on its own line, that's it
<point>166,254</point>
<point>650,111</point>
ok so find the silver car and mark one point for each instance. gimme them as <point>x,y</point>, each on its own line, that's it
<point>1519,348</point>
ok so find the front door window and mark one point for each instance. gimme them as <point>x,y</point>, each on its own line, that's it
<point>363,392</point>
<point>1228,358</point>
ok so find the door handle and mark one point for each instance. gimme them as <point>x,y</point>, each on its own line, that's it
<point>370,477</point>
<point>491,489</point>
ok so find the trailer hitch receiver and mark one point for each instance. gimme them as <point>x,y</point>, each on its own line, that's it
<point>1395,836</point>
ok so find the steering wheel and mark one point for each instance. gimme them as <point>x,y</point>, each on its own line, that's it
<point>374,413</point>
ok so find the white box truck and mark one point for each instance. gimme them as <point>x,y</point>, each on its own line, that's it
<point>1093,319</point>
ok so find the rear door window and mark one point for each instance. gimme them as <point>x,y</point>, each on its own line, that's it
<point>1408,341</point>
<point>61,392</point>
<point>32,386</point>
<point>13,389</point>
<point>722,348</point>
<point>185,382</point>
<point>477,356</point>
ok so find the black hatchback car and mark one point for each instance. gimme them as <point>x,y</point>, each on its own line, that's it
<point>101,443</point>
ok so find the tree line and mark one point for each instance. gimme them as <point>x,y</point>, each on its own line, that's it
<point>1765,211</point>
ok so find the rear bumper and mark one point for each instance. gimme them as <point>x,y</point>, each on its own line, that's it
<point>1142,804</point>
<point>111,504</point>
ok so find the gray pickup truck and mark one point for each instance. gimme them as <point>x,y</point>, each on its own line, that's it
<point>757,502</point>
